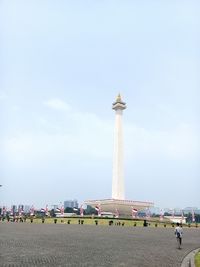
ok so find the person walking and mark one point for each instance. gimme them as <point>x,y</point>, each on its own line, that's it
<point>179,234</point>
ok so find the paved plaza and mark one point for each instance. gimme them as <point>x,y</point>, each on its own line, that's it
<point>25,244</point>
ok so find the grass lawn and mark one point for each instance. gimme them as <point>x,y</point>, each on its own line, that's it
<point>89,221</point>
<point>100,221</point>
<point>197,260</point>
<point>153,222</point>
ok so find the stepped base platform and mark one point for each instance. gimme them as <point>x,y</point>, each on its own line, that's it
<point>124,207</point>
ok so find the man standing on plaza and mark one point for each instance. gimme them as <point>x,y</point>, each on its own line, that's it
<point>179,233</point>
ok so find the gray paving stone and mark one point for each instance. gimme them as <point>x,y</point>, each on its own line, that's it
<point>25,244</point>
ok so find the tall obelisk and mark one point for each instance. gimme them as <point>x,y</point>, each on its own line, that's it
<point>118,203</point>
<point>118,168</point>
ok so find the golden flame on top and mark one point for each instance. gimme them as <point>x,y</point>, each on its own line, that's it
<point>119,99</point>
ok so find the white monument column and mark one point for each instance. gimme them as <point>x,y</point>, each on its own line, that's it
<point>118,168</point>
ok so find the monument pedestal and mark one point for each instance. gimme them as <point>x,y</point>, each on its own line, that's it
<point>124,207</point>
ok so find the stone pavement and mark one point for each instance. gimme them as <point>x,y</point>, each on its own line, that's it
<point>25,244</point>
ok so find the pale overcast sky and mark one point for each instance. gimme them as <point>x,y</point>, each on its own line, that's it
<point>62,63</point>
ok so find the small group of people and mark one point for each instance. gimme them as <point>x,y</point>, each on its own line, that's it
<point>179,234</point>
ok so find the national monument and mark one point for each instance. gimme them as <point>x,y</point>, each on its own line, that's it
<point>118,202</point>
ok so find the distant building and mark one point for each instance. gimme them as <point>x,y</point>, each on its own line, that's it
<point>27,208</point>
<point>197,211</point>
<point>190,210</point>
<point>70,204</point>
<point>154,210</point>
<point>13,208</point>
<point>54,207</point>
<point>20,207</point>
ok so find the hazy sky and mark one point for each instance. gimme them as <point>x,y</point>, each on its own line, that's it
<point>62,63</point>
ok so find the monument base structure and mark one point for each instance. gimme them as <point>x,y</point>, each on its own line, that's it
<point>123,207</point>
